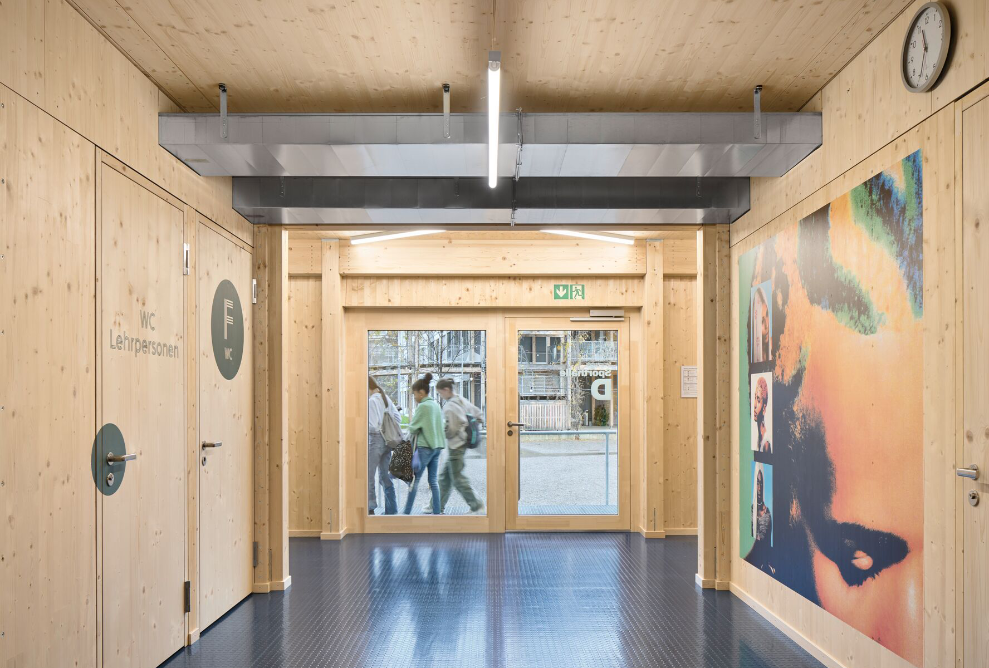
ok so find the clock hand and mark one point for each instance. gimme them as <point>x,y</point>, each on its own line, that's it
<point>922,60</point>
<point>924,37</point>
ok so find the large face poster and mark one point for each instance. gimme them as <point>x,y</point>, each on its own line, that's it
<point>831,408</point>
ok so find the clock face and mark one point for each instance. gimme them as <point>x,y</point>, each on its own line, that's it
<point>926,47</point>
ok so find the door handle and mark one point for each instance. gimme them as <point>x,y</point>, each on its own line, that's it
<point>970,472</point>
<point>116,459</point>
<point>515,424</point>
<point>207,444</point>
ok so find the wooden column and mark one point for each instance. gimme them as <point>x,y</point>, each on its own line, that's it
<point>653,454</point>
<point>713,438</point>
<point>334,489</point>
<point>271,414</point>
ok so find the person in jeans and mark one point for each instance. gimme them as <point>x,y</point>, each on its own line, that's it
<point>378,454</point>
<point>427,427</point>
<point>455,412</point>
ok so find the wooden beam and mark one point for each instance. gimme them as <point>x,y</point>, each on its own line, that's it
<point>334,497</point>
<point>713,438</point>
<point>305,257</point>
<point>490,257</point>
<point>652,415</point>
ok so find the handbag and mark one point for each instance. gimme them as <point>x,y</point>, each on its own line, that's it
<point>401,462</point>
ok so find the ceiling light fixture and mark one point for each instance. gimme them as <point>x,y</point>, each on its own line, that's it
<point>494,104</point>
<point>387,236</point>
<point>596,236</point>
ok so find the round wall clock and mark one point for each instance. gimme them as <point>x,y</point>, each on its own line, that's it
<point>925,47</point>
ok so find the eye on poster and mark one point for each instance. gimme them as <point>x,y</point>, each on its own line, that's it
<point>831,407</point>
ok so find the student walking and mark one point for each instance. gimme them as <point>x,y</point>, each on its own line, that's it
<point>455,412</point>
<point>378,454</point>
<point>427,427</point>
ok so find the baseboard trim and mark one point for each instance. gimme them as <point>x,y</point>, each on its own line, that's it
<point>261,588</point>
<point>681,532</point>
<point>281,585</point>
<point>722,585</point>
<point>193,637</point>
<point>702,583</point>
<point>652,534</point>
<point>790,632</point>
<point>333,535</point>
<point>304,533</point>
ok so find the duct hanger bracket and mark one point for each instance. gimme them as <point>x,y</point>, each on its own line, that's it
<point>223,110</point>
<point>446,110</point>
<point>757,111</point>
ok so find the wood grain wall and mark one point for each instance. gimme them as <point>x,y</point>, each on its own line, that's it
<point>871,122</point>
<point>305,445</point>
<point>480,286</point>
<point>680,431</point>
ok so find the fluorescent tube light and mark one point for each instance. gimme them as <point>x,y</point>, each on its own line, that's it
<point>596,236</point>
<point>494,104</point>
<point>387,236</point>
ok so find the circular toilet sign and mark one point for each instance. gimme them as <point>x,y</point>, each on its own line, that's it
<point>227,328</point>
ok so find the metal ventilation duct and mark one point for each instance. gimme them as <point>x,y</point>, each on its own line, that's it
<point>600,202</point>
<point>553,145</point>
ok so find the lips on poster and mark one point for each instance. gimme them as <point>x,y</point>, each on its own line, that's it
<point>831,435</point>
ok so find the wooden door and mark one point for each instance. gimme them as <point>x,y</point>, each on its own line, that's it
<point>974,586</point>
<point>143,394</point>
<point>47,390</point>
<point>226,411</point>
<point>567,431</point>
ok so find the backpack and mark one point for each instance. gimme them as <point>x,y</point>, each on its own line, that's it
<point>401,462</point>
<point>472,432</point>
<point>391,431</point>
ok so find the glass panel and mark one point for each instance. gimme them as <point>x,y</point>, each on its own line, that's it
<point>568,450</point>
<point>396,360</point>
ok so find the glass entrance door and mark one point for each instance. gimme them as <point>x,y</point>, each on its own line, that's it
<point>568,423</point>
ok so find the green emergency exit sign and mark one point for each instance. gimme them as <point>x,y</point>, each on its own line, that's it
<point>568,291</point>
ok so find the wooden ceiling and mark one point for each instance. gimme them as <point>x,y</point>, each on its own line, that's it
<point>558,55</point>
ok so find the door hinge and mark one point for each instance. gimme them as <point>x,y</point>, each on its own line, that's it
<point>188,596</point>
<point>254,291</point>
<point>255,554</point>
<point>185,259</point>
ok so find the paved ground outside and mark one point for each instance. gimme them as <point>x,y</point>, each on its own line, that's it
<point>559,475</point>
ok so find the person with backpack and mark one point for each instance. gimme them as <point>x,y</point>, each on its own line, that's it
<point>426,427</point>
<point>380,412</point>
<point>463,420</point>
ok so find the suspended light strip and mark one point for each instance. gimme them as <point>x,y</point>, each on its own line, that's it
<point>387,236</point>
<point>596,236</point>
<point>494,104</point>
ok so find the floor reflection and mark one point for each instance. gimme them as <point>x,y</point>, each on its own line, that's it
<point>494,600</point>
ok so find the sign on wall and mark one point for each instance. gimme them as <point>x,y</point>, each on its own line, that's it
<point>227,329</point>
<point>568,291</point>
<point>831,408</point>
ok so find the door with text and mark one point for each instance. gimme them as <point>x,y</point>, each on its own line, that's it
<point>226,431</point>
<point>141,455</point>
<point>567,427</point>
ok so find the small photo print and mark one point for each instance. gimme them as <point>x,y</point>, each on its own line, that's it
<point>762,504</point>
<point>761,315</point>
<point>761,400</point>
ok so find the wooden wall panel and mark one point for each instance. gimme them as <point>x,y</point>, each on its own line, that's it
<point>53,57</point>
<point>824,635</point>
<point>866,107</point>
<point>305,257</point>
<point>22,48</point>
<point>484,292</point>
<point>680,257</point>
<point>680,431</point>
<point>305,384</point>
<point>48,562</point>
<point>444,256</point>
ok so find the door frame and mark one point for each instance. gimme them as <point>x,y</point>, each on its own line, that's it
<point>358,322</point>
<point>516,522</point>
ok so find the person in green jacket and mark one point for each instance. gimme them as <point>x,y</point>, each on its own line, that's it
<point>427,427</point>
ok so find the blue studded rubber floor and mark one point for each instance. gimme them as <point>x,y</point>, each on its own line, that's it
<point>494,600</point>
